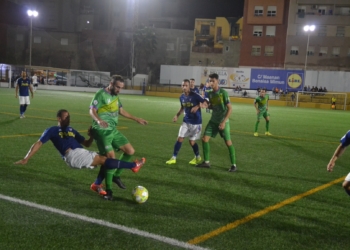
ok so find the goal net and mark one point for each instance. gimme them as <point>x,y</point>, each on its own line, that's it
<point>322,98</point>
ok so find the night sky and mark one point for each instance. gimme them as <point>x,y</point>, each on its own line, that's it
<point>12,13</point>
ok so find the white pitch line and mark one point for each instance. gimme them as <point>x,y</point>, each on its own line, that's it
<point>130,230</point>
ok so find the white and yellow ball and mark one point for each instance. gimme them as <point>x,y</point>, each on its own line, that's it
<point>140,194</point>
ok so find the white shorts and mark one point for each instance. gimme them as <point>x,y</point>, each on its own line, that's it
<point>347,178</point>
<point>24,100</point>
<point>192,131</point>
<point>79,158</point>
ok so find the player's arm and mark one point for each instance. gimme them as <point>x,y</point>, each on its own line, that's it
<point>31,89</point>
<point>181,111</point>
<point>32,151</point>
<point>131,117</point>
<point>256,107</point>
<point>16,90</point>
<point>94,115</point>
<point>337,153</point>
<point>227,116</point>
<point>87,143</point>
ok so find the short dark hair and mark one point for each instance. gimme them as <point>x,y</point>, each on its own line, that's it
<point>116,78</point>
<point>60,112</point>
<point>214,75</point>
<point>192,79</point>
<point>186,80</point>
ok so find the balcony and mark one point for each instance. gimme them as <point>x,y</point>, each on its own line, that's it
<point>203,37</point>
<point>310,17</point>
<point>206,49</point>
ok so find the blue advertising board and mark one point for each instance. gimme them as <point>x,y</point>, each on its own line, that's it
<point>272,78</point>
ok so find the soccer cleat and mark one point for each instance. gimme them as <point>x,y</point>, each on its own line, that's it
<point>195,160</point>
<point>233,168</point>
<point>109,195</point>
<point>203,165</point>
<point>171,161</point>
<point>139,164</point>
<point>98,189</point>
<point>268,133</point>
<point>256,134</point>
<point>119,182</point>
<point>21,116</point>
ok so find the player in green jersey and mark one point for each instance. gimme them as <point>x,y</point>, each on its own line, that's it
<point>219,102</point>
<point>105,109</point>
<point>261,105</point>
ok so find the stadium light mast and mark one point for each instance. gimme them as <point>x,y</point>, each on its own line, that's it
<point>308,29</point>
<point>31,14</point>
<point>134,29</point>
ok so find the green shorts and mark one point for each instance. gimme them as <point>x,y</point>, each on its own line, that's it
<point>262,114</point>
<point>108,140</point>
<point>212,129</point>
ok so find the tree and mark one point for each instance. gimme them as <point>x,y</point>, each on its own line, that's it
<point>145,43</point>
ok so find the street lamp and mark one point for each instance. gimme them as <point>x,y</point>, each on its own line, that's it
<point>308,29</point>
<point>31,14</point>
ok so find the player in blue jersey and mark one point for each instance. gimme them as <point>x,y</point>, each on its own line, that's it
<point>193,87</point>
<point>24,85</point>
<point>344,143</point>
<point>192,122</point>
<point>69,143</point>
<point>206,90</point>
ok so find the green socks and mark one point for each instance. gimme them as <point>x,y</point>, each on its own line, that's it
<point>267,126</point>
<point>232,152</point>
<point>206,151</point>
<point>256,126</point>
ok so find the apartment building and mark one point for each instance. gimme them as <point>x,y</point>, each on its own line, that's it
<point>264,33</point>
<point>328,46</point>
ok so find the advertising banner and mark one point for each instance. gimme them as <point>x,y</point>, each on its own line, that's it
<point>282,79</point>
<point>222,72</point>
<point>239,77</point>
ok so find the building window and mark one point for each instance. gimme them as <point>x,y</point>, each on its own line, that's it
<point>335,51</point>
<point>205,30</point>
<point>37,39</point>
<point>344,11</point>
<point>258,10</point>
<point>183,47</point>
<point>323,51</point>
<point>294,50</point>
<point>256,50</point>
<point>19,37</point>
<point>340,31</point>
<point>227,48</point>
<point>257,30</point>
<point>311,51</point>
<point>271,10</point>
<point>269,50</point>
<point>322,30</point>
<point>322,10</point>
<point>64,41</point>
<point>301,9</point>
<point>169,46</point>
<point>270,30</point>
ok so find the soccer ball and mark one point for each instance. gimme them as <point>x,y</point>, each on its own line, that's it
<point>140,194</point>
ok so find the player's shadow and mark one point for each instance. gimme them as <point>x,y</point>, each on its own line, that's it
<point>9,121</point>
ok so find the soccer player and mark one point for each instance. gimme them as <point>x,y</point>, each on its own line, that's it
<point>24,86</point>
<point>193,86</point>
<point>219,102</point>
<point>261,105</point>
<point>344,143</point>
<point>206,91</point>
<point>35,82</point>
<point>69,143</point>
<point>192,122</point>
<point>105,109</point>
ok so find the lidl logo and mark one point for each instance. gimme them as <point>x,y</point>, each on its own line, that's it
<point>294,81</point>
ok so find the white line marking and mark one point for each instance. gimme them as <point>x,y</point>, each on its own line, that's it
<point>130,230</point>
